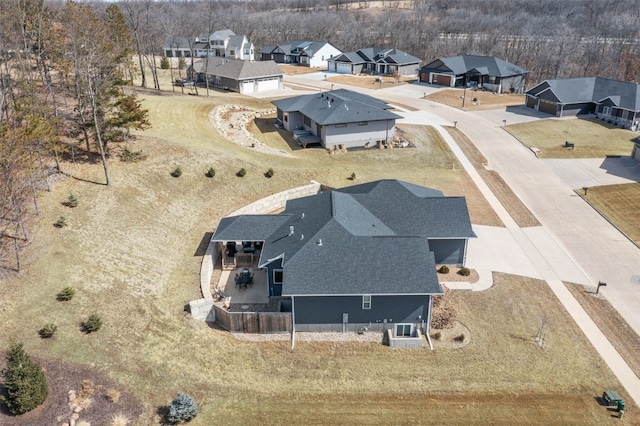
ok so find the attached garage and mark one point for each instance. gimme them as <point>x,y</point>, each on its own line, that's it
<point>531,102</point>
<point>449,251</point>
<point>548,107</point>
<point>441,79</point>
<point>248,86</point>
<point>343,68</point>
<point>635,154</point>
<point>268,84</point>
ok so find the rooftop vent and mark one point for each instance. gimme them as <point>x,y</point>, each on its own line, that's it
<point>301,237</point>
<point>291,230</point>
<point>302,215</point>
<point>320,242</point>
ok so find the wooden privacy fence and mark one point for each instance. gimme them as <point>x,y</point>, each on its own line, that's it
<point>253,322</point>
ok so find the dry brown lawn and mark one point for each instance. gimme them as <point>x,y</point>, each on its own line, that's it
<point>131,253</point>
<point>516,208</point>
<point>620,334</point>
<point>298,70</point>
<point>620,204</point>
<point>370,82</point>
<point>484,99</point>
<point>592,138</point>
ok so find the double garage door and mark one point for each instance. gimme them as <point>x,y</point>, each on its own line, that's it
<point>252,86</point>
<point>343,68</point>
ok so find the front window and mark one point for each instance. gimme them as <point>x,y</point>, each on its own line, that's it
<point>307,121</point>
<point>362,123</point>
<point>277,276</point>
<point>366,301</point>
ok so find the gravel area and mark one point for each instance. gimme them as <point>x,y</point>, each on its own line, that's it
<point>231,121</point>
<point>372,336</point>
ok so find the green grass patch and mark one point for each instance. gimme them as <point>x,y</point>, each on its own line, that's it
<point>591,138</point>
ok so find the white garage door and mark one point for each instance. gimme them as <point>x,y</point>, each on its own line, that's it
<point>343,68</point>
<point>248,86</point>
<point>268,84</point>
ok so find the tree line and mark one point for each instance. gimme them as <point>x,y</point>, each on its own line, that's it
<point>62,72</point>
<point>550,38</point>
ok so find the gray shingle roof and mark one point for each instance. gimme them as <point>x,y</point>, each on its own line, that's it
<point>221,34</point>
<point>237,69</point>
<point>235,42</point>
<point>378,55</point>
<point>589,89</point>
<point>483,65</point>
<point>365,239</point>
<point>337,106</point>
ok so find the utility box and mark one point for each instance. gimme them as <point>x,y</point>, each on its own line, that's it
<point>612,399</point>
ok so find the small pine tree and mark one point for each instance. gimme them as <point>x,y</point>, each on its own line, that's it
<point>182,63</point>
<point>24,382</point>
<point>210,173</point>
<point>164,63</point>
<point>66,294</point>
<point>269,173</point>
<point>48,330</point>
<point>183,408</point>
<point>177,172</point>
<point>93,323</point>
<point>352,177</point>
<point>73,201</point>
<point>241,173</point>
<point>61,222</point>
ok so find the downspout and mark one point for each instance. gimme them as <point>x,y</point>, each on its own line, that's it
<point>293,323</point>
<point>428,326</point>
<point>464,257</point>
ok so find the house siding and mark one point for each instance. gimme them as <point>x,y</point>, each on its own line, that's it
<point>450,252</point>
<point>275,290</point>
<point>353,135</point>
<point>325,52</point>
<point>577,109</point>
<point>324,313</point>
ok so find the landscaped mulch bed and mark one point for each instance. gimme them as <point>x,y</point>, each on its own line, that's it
<point>62,378</point>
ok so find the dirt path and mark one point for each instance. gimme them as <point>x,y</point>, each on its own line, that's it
<point>231,121</point>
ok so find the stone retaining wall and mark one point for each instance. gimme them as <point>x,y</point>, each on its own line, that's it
<point>201,308</point>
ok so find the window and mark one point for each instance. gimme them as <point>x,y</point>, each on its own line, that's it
<point>307,121</point>
<point>232,52</point>
<point>607,110</point>
<point>363,123</point>
<point>366,302</point>
<point>277,276</point>
<point>403,330</point>
<point>286,116</point>
<point>341,125</point>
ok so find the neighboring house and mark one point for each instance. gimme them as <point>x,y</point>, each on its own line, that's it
<point>361,256</point>
<point>237,75</point>
<point>375,60</point>
<point>338,118</point>
<point>223,43</point>
<point>308,53</point>
<point>612,100</point>
<point>485,72</point>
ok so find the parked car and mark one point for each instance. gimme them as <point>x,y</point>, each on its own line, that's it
<point>183,82</point>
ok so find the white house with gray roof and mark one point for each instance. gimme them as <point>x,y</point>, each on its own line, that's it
<point>223,43</point>
<point>485,72</point>
<point>615,101</point>
<point>361,256</point>
<point>237,75</point>
<point>312,54</point>
<point>338,118</point>
<point>375,60</point>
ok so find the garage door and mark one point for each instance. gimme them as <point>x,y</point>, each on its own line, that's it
<point>548,107</point>
<point>343,68</point>
<point>248,86</point>
<point>268,84</point>
<point>531,102</point>
<point>442,80</point>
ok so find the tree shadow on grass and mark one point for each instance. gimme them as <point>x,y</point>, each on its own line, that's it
<point>163,412</point>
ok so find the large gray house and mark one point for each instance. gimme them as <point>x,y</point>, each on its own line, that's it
<point>237,75</point>
<point>485,72</point>
<point>375,60</point>
<point>300,52</point>
<point>613,100</point>
<point>338,118</point>
<point>361,256</point>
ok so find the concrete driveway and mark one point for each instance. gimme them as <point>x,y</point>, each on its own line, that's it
<point>587,172</point>
<point>512,114</point>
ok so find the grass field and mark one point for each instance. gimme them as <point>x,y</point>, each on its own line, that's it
<point>130,251</point>
<point>484,99</point>
<point>592,138</point>
<point>370,82</point>
<point>619,204</point>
